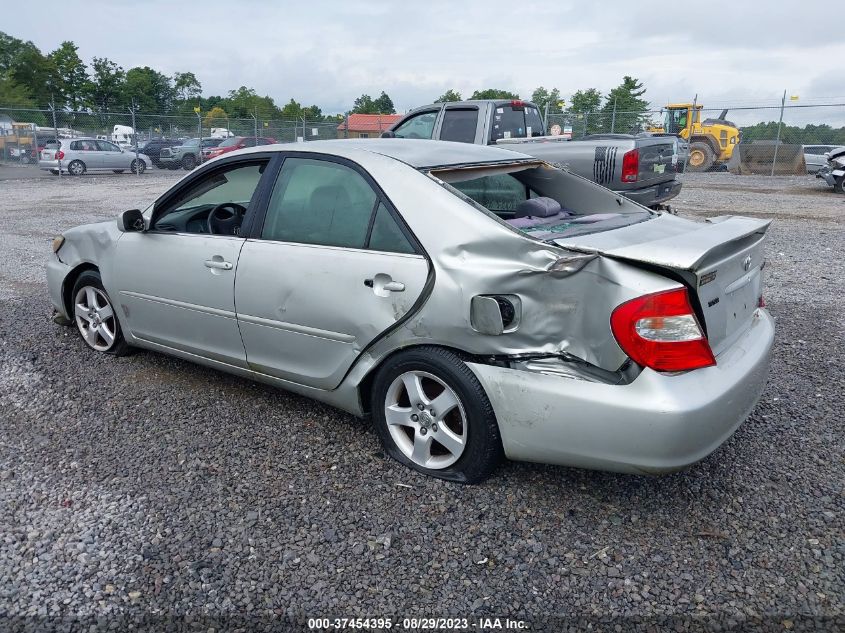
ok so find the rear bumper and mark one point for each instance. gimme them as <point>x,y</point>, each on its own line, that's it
<point>49,165</point>
<point>655,194</point>
<point>658,423</point>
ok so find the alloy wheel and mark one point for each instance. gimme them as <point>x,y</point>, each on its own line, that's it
<point>95,318</point>
<point>426,420</point>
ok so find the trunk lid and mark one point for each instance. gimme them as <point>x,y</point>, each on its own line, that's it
<point>720,261</point>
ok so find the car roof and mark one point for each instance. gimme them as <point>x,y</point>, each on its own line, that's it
<point>419,153</point>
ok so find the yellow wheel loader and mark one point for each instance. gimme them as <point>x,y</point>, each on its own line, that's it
<point>710,141</point>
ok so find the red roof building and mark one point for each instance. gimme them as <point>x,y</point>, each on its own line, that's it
<point>367,125</point>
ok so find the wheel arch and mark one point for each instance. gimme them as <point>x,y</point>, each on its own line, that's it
<point>365,385</point>
<point>70,281</point>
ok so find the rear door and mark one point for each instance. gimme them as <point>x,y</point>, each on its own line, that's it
<point>327,271</point>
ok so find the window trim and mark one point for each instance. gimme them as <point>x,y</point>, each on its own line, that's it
<point>259,196</point>
<point>260,216</point>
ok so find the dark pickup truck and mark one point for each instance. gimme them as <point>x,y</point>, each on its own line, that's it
<point>640,168</point>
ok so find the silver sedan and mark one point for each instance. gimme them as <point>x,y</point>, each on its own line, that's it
<point>77,156</point>
<point>474,302</point>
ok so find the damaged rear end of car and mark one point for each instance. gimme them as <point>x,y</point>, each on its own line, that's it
<point>605,335</point>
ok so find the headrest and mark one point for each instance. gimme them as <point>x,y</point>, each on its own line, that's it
<point>329,197</point>
<point>537,208</point>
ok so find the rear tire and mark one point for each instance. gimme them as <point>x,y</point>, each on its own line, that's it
<point>461,441</point>
<point>701,157</point>
<point>96,317</point>
<point>55,172</point>
<point>118,171</point>
<point>839,184</point>
<point>76,168</point>
<point>189,162</point>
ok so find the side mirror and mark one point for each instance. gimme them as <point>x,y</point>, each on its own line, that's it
<point>388,134</point>
<point>131,221</point>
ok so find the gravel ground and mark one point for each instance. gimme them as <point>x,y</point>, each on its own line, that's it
<point>147,487</point>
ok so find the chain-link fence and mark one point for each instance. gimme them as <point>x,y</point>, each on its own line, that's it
<point>24,132</point>
<point>774,139</point>
<point>788,138</point>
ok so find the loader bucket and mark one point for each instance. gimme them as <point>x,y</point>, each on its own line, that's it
<point>757,158</point>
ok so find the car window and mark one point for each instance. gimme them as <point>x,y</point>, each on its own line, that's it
<point>248,142</point>
<point>83,146</point>
<point>264,141</point>
<point>188,212</point>
<point>319,202</point>
<point>513,121</point>
<point>386,234</point>
<point>459,125</point>
<point>105,146</point>
<point>497,192</point>
<point>418,126</point>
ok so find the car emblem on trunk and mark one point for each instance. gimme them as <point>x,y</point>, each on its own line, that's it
<point>746,263</point>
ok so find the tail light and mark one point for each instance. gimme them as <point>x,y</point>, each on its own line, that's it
<point>59,154</point>
<point>630,165</point>
<point>660,331</point>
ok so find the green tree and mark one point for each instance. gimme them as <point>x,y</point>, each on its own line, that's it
<point>588,100</point>
<point>493,93</point>
<point>105,90</point>
<point>364,105</point>
<point>150,89</point>
<point>384,104</point>
<point>13,95</point>
<point>292,110</point>
<point>449,95</point>
<point>71,74</point>
<point>245,102</point>
<point>631,109</point>
<point>37,74</point>
<point>186,86</point>
<point>313,113</point>
<point>215,117</point>
<point>541,97</point>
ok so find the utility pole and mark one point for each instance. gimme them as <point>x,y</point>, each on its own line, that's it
<point>777,140</point>
<point>132,109</point>
<point>613,118</point>
<point>56,132</point>
<point>690,123</point>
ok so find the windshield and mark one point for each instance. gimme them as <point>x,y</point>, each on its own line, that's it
<point>541,201</point>
<point>515,121</point>
<point>234,140</point>
<point>675,120</point>
<point>191,142</point>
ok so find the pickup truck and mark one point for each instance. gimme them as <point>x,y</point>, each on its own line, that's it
<point>640,168</point>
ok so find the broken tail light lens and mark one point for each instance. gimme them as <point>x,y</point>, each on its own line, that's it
<point>660,331</point>
<point>630,165</point>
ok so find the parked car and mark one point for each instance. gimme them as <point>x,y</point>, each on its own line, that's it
<point>78,156</point>
<point>208,146</point>
<point>475,301</point>
<point>187,155</point>
<point>814,156</point>
<point>153,147</point>
<point>640,168</point>
<point>833,173</point>
<point>239,142</point>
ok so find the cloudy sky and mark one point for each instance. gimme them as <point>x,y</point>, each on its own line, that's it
<point>745,52</point>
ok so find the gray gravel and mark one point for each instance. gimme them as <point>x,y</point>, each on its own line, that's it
<point>149,487</point>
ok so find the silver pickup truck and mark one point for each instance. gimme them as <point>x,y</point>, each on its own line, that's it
<point>640,168</point>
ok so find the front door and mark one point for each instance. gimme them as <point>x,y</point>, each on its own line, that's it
<point>176,281</point>
<point>111,156</point>
<point>330,269</point>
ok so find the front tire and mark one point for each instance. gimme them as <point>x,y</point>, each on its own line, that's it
<point>95,316</point>
<point>76,168</point>
<point>701,157</point>
<point>433,415</point>
<point>138,166</point>
<point>189,162</point>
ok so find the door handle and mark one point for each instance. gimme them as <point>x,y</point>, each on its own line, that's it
<point>214,263</point>
<point>394,286</point>
<point>383,285</point>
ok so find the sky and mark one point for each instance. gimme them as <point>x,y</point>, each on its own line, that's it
<point>745,52</point>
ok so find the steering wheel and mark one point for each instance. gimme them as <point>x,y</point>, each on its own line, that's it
<point>226,218</point>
